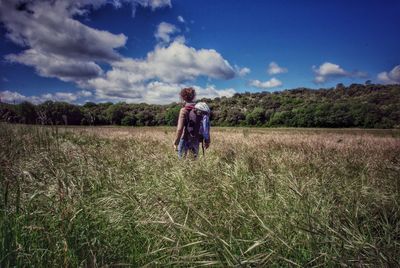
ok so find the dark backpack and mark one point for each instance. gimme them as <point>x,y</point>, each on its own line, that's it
<point>192,124</point>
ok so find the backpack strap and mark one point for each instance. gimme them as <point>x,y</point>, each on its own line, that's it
<point>188,108</point>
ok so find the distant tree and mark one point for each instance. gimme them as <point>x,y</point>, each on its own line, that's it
<point>95,114</point>
<point>283,118</point>
<point>89,105</point>
<point>27,112</point>
<point>171,115</point>
<point>8,113</point>
<point>114,113</point>
<point>256,117</point>
<point>145,118</point>
<point>358,105</point>
<point>128,120</point>
<point>340,86</point>
<point>235,117</point>
<point>57,113</point>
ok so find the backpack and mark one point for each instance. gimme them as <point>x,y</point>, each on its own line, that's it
<point>192,124</point>
<point>197,124</point>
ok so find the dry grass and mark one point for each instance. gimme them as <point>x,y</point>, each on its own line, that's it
<point>261,197</point>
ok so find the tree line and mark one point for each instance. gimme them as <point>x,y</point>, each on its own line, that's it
<point>357,105</point>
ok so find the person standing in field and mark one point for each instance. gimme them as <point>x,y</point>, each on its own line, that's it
<point>193,125</point>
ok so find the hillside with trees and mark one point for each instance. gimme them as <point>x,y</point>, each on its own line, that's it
<point>358,105</point>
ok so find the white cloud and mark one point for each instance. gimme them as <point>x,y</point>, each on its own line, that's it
<point>48,27</point>
<point>155,92</point>
<point>166,69</point>
<point>327,71</point>
<point>159,93</point>
<point>162,93</point>
<point>180,39</point>
<point>175,63</point>
<point>13,96</point>
<point>392,77</point>
<point>53,36</point>
<point>58,45</point>
<point>274,68</point>
<point>164,32</point>
<point>273,82</point>
<point>181,19</point>
<point>242,71</point>
<point>61,96</point>
<point>330,69</point>
<point>212,92</point>
<point>153,4</point>
<point>52,65</point>
<point>85,93</point>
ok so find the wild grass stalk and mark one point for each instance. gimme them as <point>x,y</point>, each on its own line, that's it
<point>119,196</point>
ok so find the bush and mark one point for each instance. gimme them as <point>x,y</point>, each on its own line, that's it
<point>128,120</point>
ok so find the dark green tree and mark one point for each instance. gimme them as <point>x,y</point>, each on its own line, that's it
<point>26,111</point>
<point>256,117</point>
<point>172,114</point>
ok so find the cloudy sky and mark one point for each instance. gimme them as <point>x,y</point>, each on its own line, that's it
<point>147,50</point>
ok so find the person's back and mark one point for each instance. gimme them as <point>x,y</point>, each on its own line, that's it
<point>190,126</point>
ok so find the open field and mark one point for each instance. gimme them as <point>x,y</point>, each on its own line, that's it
<point>261,197</point>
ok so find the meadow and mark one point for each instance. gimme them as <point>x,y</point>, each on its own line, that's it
<point>118,196</point>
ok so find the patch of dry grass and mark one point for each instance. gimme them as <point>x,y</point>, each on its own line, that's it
<point>261,197</point>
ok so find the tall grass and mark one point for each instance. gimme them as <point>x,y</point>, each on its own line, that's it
<point>119,197</point>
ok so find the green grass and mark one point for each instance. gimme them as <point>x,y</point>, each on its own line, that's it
<point>276,197</point>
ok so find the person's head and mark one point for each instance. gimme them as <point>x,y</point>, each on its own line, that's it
<point>188,94</point>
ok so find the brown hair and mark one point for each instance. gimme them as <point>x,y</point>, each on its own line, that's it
<point>187,94</point>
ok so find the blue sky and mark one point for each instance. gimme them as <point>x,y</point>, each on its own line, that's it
<point>146,50</point>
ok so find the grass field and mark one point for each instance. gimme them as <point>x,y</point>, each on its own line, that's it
<point>102,196</point>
